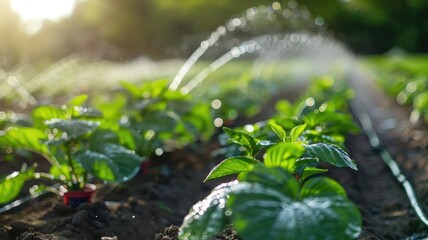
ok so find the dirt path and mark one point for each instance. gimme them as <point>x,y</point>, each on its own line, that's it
<point>384,204</point>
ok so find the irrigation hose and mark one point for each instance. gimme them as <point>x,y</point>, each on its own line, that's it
<point>367,125</point>
<point>24,199</point>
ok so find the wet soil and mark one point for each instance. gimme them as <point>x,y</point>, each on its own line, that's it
<point>147,206</point>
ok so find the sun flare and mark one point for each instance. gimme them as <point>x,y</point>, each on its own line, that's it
<point>37,10</point>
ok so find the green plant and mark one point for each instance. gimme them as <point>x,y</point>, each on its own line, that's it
<point>268,203</point>
<point>405,79</point>
<point>72,140</point>
<point>163,118</point>
<point>291,153</point>
<point>278,194</point>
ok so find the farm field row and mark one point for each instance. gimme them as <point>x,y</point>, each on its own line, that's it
<point>146,146</point>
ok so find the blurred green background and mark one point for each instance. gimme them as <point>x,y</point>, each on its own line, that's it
<point>122,30</point>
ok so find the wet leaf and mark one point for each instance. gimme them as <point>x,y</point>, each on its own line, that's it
<point>260,212</point>
<point>329,153</point>
<point>207,217</point>
<point>311,171</point>
<point>233,165</point>
<point>112,163</point>
<point>74,128</point>
<point>275,178</point>
<point>279,131</point>
<point>296,131</point>
<point>283,155</point>
<point>44,113</point>
<point>78,100</point>
<point>11,185</point>
<point>321,187</point>
<point>249,142</point>
<point>25,138</point>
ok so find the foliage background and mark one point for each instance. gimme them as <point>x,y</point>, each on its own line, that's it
<point>122,30</point>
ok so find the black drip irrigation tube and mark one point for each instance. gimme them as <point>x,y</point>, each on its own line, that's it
<point>367,126</point>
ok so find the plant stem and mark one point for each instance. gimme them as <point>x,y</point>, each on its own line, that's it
<point>73,175</point>
<point>300,184</point>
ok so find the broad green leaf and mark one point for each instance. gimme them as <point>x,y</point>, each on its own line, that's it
<point>163,121</point>
<point>114,163</point>
<point>260,212</point>
<point>275,178</point>
<point>321,187</point>
<point>283,155</point>
<point>25,138</point>
<point>131,88</point>
<point>279,131</point>
<point>74,128</point>
<point>233,165</point>
<point>296,131</point>
<point>44,113</point>
<point>311,171</point>
<point>313,136</point>
<point>100,137</point>
<point>11,185</point>
<point>421,101</point>
<point>243,139</point>
<point>329,153</point>
<point>207,217</point>
<point>303,163</point>
<point>78,100</point>
<point>113,109</point>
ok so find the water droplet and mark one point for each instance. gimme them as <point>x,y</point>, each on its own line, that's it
<point>323,107</point>
<point>292,4</point>
<point>218,122</point>
<point>9,150</point>
<point>249,128</point>
<point>221,30</point>
<point>159,151</point>
<point>310,102</point>
<point>216,104</point>
<point>286,13</point>
<point>228,213</point>
<point>236,22</point>
<point>411,87</point>
<point>305,13</point>
<point>276,5</point>
<point>236,52</point>
<point>319,21</point>
<point>205,44</point>
<point>149,134</point>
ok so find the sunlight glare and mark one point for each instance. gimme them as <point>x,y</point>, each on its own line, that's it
<point>42,9</point>
<point>33,12</point>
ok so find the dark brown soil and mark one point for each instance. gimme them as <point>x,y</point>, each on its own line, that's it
<point>148,204</point>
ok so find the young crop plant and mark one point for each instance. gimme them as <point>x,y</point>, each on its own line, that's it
<point>76,144</point>
<point>279,193</point>
<point>406,80</point>
<point>278,196</point>
<point>163,117</point>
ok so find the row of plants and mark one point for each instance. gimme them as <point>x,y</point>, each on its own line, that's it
<point>406,79</point>
<point>107,140</point>
<point>109,137</point>
<point>279,193</point>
